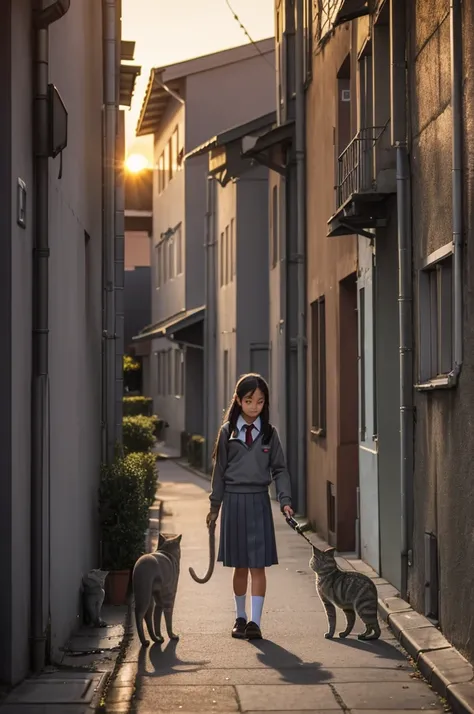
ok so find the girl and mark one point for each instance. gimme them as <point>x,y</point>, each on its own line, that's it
<point>247,455</point>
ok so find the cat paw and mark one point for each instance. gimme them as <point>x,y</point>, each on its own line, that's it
<point>342,635</point>
<point>328,635</point>
<point>361,637</point>
<point>146,643</point>
<point>173,636</point>
<point>159,639</point>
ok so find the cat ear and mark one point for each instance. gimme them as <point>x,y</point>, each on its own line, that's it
<point>161,540</point>
<point>315,550</point>
<point>331,552</point>
<point>177,539</point>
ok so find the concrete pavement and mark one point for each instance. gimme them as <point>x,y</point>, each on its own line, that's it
<point>294,669</point>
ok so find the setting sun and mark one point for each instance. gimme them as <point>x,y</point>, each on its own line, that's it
<point>136,163</point>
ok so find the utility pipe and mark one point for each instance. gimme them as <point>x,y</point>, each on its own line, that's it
<point>40,427</point>
<point>301,252</point>
<point>399,132</point>
<point>111,106</point>
<point>210,321</point>
<point>455,15</point>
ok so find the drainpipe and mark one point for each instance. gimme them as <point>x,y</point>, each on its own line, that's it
<point>455,15</point>
<point>398,98</point>
<point>210,320</point>
<point>40,472</point>
<point>111,105</point>
<point>301,250</point>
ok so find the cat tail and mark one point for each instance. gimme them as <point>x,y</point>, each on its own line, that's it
<point>212,556</point>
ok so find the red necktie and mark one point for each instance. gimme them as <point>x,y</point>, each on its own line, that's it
<point>248,435</point>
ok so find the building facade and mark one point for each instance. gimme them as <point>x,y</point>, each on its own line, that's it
<point>51,230</point>
<point>186,104</point>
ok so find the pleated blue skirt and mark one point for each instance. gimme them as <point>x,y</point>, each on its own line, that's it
<point>247,535</point>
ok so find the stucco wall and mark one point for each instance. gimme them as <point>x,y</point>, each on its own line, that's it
<point>329,261</point>
<point>444,442</point>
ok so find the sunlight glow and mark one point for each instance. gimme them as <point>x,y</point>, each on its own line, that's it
<point>136,163</point>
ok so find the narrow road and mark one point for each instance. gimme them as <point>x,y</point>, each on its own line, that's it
<point>294,669</point>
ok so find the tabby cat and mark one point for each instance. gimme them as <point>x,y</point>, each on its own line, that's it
<point>155,582</point>
<point>352,592</point>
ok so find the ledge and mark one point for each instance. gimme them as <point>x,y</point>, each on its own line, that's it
<point>445,669</point>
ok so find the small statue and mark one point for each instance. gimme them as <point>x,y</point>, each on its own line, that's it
<point>93,595</point>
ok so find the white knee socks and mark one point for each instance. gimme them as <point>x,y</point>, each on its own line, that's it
<point>257,607</point>
<point>240,606</point>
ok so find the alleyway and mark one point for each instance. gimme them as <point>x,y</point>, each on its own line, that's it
<point>293,670</point>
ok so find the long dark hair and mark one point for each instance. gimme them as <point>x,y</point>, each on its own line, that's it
<point>247,384</point>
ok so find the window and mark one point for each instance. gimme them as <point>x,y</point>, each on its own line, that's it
<point>161,373</point>
<point>171,258</point>
<point>167,162</point>
<point>174,152</point>
<point>274,228</point>
<point>318,366</point>
<point>179,373</point>
<point>436,316</point>
<point>227,258</point>
<point>161,174</point>
<point>221,260</point>
<point>158,254</point>
<point>178,238</point>
<point>233,248</point>
<point>225,379</point>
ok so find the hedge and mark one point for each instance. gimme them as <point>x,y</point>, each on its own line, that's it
<point>136,406</point>
<point>138,433</point>
<point>146,465</point>
<point>196,451</point>
<point>123,511</point>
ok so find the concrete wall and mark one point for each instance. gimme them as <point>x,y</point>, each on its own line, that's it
<point>75,325</point>
<point>75,312</point>
<point>444,443</point>
<point>333,457</point>
<point>137,249</point>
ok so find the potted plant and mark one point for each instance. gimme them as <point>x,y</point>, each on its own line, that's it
<point>123,508</point>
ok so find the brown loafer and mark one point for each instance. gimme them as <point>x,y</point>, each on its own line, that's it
<point>238,631</point>
<point>252,631</point>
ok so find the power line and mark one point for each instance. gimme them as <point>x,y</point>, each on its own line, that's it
<point>237,19</point>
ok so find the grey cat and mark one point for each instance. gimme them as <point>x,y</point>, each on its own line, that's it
<point>93,595</point>
<point>352,592</point>
<point>155,582</point>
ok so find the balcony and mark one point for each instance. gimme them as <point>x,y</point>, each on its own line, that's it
<point>362,185</point>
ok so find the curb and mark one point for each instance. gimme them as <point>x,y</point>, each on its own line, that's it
<point>184,465</point>
<point>445,669</point>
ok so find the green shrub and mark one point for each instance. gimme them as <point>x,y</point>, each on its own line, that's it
<point>123,511</point>
<point>135,406</point>
<point>145,464</point>
<point>138,433</point>
<point>196,451</point>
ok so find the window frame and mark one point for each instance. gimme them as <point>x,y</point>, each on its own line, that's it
<point>435,334</point>
<point>318,368</point>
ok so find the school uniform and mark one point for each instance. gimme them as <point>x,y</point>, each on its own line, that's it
<point>243,471</point>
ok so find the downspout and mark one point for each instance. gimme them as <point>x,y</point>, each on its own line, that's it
<point>111,106</point>
<point>40,472</point>
<point>455,15</point>
<point>399,138</point>
<point>301,251</point>
<point>210,319</point>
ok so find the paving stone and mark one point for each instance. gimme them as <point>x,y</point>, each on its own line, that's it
<point>423,639</point>
<point>386,590</point>
<point>188,698</point>
<point>414,695</point>
<point>86,644</point>
<point>461,698</point>
<point>273,698</point>
<point>407,621</point>
<point>444,667</point>
<point>392,605</point>
<point>57,688</point>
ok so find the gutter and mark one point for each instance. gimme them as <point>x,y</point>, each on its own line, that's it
<point>399,138</point>
<point>300,146</point>
<point>40,426</point>
<point>111,84</point>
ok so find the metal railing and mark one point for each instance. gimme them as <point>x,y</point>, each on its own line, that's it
<point>356,165</point>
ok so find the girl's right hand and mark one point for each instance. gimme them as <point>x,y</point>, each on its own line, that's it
<point>211,516</point>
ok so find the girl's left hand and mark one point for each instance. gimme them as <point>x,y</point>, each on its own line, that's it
<point>288,511</point>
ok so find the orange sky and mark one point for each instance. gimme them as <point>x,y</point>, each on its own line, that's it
<point>168,31</point>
